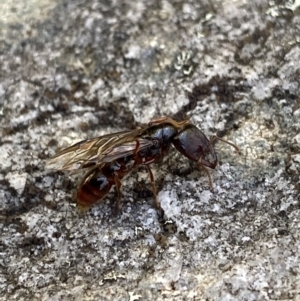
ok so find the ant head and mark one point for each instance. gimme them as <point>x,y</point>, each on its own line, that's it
<point>193,144</point>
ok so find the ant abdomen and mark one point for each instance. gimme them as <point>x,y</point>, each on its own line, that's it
<point>93,189</point>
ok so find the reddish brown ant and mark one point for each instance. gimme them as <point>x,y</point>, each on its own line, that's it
<point>111,157</point>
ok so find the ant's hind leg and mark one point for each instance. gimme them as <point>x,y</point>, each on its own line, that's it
<point>156,203</point>
<point>117,206</point>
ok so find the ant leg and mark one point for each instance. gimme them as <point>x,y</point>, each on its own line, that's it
<point>156,203</point>
<point>165,119</point>
<point>118,184</point>
<point>215,137</point>
<point>208,174</point>
<point>137,147</point>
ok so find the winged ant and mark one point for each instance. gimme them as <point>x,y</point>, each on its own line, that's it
<point>111,157</point>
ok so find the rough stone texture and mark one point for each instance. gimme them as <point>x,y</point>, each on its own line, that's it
<point>82,68</point>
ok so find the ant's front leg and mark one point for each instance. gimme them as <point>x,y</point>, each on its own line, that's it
<point>137,147</point>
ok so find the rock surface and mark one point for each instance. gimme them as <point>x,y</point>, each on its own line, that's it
<point>76,69</point>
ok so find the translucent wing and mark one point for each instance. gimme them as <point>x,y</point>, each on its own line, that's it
<point>92,152</point>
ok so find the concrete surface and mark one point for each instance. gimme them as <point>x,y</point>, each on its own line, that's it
<point>76,69</point>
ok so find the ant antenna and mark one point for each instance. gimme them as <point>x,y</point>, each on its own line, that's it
<point>215,137</point>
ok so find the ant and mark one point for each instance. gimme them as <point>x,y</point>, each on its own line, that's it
<point>111,157</point>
